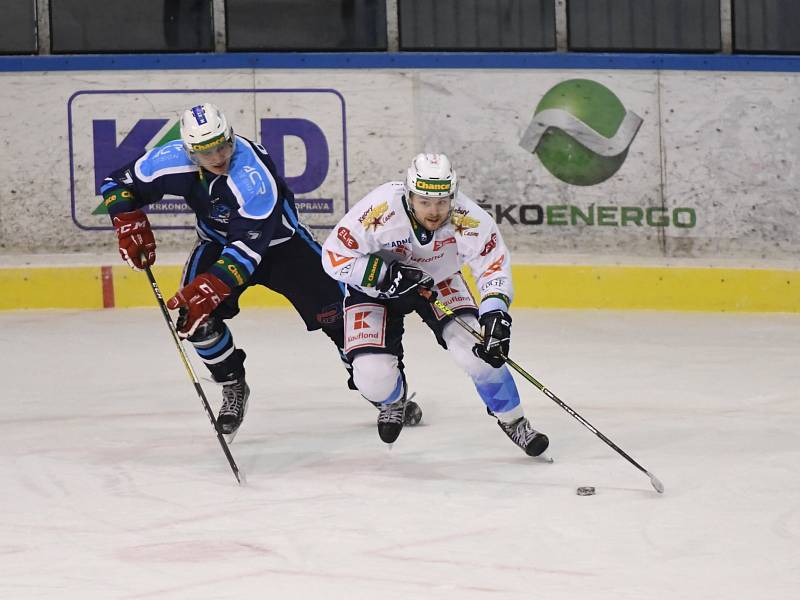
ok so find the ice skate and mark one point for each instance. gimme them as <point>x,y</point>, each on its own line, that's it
<point>413,414</point>
<point>234,408</point>
<point>525,436</point>
<point>390,420</point>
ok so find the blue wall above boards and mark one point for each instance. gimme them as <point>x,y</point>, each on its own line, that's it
<point>406,60</point>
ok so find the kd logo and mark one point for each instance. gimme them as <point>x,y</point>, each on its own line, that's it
<point>581,132</point>
<point>360,322</point>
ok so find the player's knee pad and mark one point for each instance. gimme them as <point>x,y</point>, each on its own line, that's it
<point>378,377</point>
<point>460,342</point>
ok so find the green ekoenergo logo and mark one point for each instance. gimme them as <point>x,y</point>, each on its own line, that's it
<point>581,132</point>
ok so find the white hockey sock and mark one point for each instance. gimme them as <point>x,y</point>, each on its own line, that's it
<point>378,377</point>
<point>511,415</point>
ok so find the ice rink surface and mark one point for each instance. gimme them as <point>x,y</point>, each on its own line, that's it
<point>114,486</point>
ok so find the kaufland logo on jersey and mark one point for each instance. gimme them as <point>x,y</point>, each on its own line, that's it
<point>363,337</point>
<point>304,131</point>
<point>365,326</point>
<point>452,295</point>
<point>363,334</point>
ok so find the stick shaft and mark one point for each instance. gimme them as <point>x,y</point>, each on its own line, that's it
<point>192,375</point>
<point>653,479</point>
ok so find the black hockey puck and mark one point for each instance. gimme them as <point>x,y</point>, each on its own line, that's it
<point>585,491</point>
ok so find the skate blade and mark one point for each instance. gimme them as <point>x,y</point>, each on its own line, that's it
<point>544,458</point>
<point>229,437</point>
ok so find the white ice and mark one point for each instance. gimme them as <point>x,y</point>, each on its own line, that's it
<point>114,486</point>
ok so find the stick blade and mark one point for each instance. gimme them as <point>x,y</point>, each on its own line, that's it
<point>241,478</point>
<point>656,483</point>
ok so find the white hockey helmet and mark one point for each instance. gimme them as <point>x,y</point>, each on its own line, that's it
<point>204,128</point>
<point>431,175</point>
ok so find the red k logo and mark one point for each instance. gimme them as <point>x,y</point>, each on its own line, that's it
<point>360,320</point>
<point>445,288</point>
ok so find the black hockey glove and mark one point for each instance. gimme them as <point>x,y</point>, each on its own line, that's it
<point>401,279</point>
<point>496,326</point>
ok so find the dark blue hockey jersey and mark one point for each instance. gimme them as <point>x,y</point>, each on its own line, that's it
<point>246,211</point>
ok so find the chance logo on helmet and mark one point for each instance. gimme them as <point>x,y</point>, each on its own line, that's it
<point>425,185</point>
<point>431,175</point>
<point>203,128</point>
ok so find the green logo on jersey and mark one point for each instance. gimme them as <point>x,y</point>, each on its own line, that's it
<point>581,132</point>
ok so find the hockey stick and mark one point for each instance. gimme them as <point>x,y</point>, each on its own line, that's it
<point>659,487</point>
<point>240,477</point>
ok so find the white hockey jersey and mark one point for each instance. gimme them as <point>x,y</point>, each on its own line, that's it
<point>378,231</point>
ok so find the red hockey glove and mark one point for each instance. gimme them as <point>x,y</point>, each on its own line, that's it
<point>136,242</point>
<point>200,297</point>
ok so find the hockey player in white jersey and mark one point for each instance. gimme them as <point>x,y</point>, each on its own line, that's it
<point>401,240</point>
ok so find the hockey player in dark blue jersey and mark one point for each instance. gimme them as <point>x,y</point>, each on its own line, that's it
<point>248,233</point>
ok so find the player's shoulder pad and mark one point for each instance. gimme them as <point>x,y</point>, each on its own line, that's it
<point>467,203</point>
<point>380,205</point>
<point>251,182</point>
<point>168,159</point>
<point>389,191</point>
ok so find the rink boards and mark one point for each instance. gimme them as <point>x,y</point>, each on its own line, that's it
<point>650,197</point>
<point>537,286</point>
<point>598,155</point>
